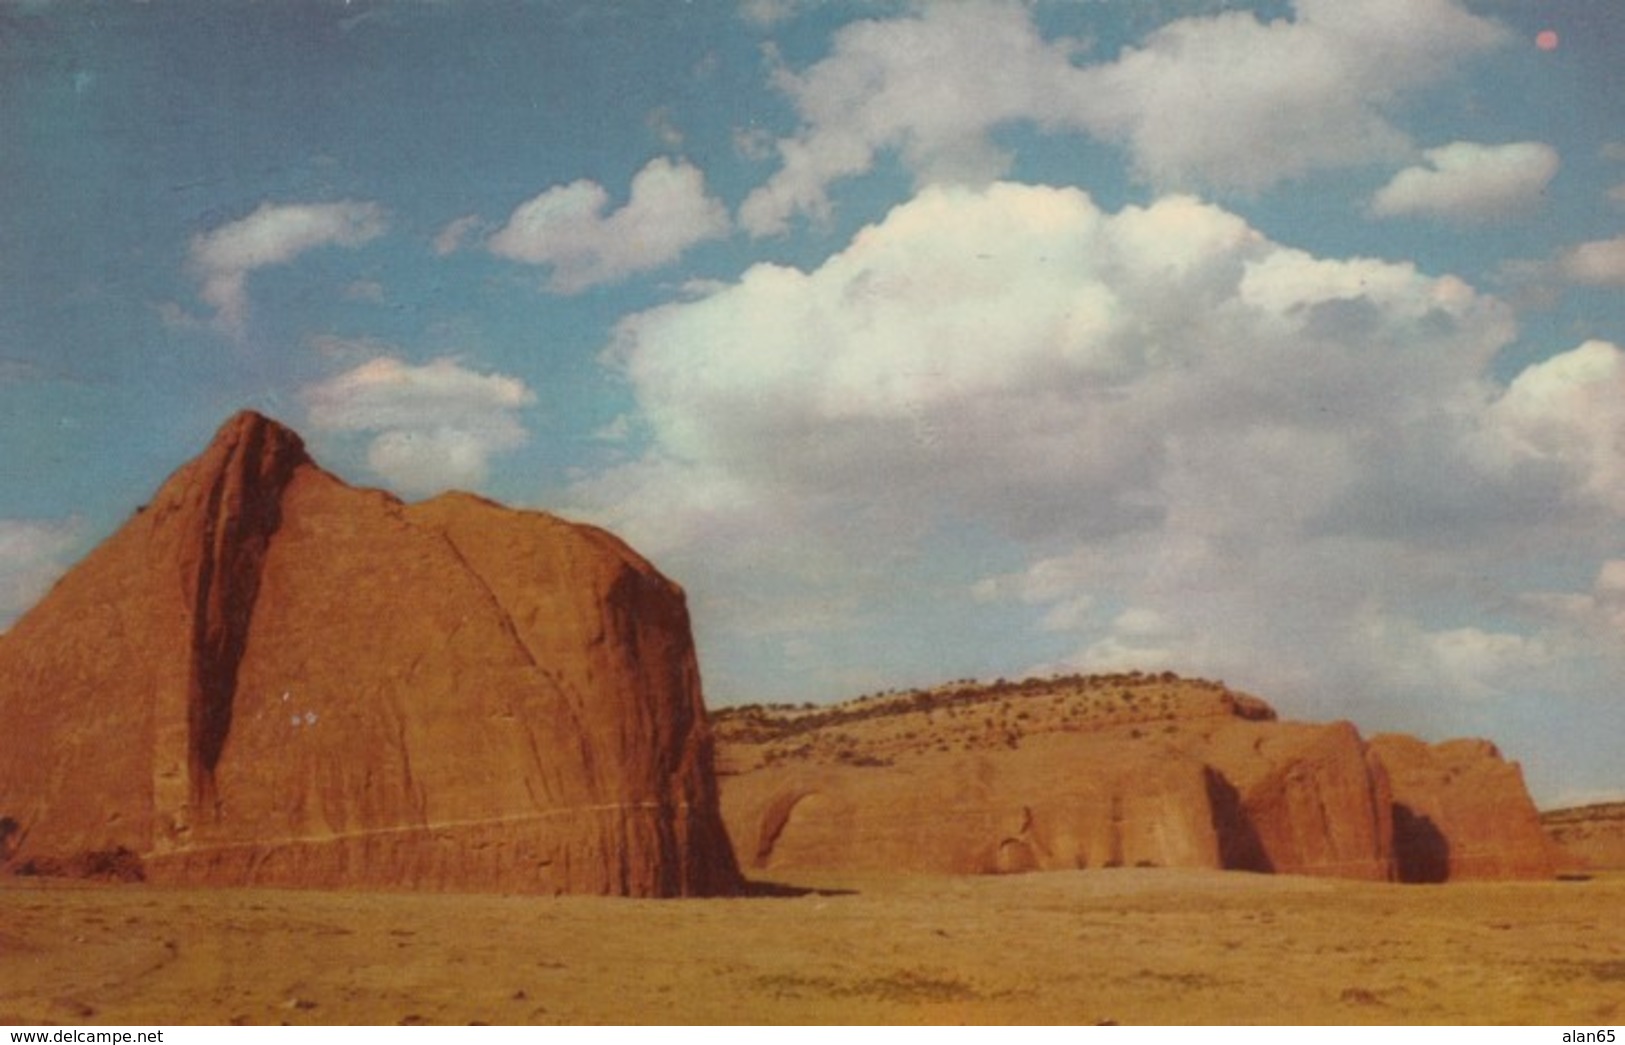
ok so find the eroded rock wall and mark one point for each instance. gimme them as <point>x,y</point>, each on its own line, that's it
<point>1461,811</point>
<point>270,677</point>
<point>1052,806</point>
<point>1118,771</point>
<point>1587,838</point>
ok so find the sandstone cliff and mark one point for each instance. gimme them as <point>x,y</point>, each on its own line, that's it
<point>267,676</point>
<point>1461,811</point>
<point>1106,771</point>
<point>1590,837</point>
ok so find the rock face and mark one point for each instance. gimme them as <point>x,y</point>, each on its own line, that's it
<point>270,677</point>
<point>1461,811</point>
<point>974,813</point>
<point>1589,837</point>
<point>1308,799</point>
<point>1108,771</point>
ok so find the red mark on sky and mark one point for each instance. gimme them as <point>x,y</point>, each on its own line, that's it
<point>1546,39</point>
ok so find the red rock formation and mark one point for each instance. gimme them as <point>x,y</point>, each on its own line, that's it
<point>1461,811</point>
<point>1112,771</point>
<point>1054,805</point>
<point>270,677</point>
<point>1590,837</point>
<point>1307,800</point>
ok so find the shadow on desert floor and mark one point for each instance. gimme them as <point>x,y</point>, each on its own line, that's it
<point>783,890</point>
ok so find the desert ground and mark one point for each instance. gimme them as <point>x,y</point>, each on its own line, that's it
<point>1085,947</point>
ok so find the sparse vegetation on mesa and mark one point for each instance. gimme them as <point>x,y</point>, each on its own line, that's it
<point>968,715</point>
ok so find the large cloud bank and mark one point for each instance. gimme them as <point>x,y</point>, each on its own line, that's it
<point>1175,442</point>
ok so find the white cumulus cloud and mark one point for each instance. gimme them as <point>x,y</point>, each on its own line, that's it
<point>1200,448</point>
<point>275,234</point>
<point>432,427</point>
<point>1566,415</point>
<point>567,229</point>
<point>1019,334</point>
<point>1466,181</point>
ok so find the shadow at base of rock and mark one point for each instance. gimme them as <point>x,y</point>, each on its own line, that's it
<point>1240,847</point>
<point>1421,851</point>
<point>784,889</point>
<point>109,865</point>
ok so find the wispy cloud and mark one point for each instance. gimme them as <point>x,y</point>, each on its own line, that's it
<point>368,290</point>
<point>1598,263</point>
<point>275,234</point>
<point>456,234</point>
<point>349,349</point>
<point>767,13</point>
<point>1225,101</point>
<point>1234,102</point>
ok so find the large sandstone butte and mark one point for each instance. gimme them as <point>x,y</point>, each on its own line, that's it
<point>270,677</point>
<point>1107,771</point>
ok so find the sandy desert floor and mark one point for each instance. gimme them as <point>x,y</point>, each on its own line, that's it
<point>1129,946</point>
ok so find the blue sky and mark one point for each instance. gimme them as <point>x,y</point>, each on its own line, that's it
<point>1272,342</point>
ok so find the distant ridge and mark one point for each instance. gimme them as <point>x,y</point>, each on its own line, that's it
<point>1112,770</point>
<point>1591,837</point>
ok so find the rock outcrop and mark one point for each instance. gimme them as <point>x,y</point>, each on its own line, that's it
<point>976,813</point>
<point>1460,812</point>
<point>1104,771</point>
<point>267,676</point>
<point>1308,799</point>
<point>1590,837</point>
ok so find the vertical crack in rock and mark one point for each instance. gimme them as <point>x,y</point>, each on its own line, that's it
<point>504,617</point>
<point>571,703</point>
<point>250,463</point>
